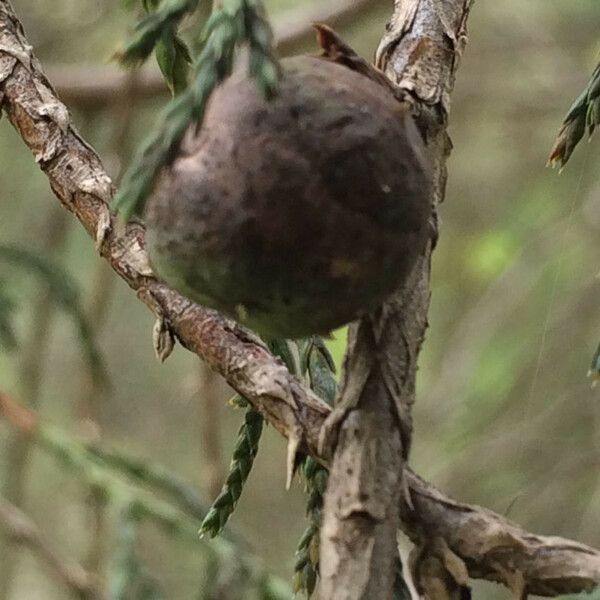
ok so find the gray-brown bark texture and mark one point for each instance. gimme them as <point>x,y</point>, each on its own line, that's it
<point>459,540</point>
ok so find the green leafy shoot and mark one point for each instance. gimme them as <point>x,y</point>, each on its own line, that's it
<point>306,566</point>
<point>174,59</point>
<point>263,63</point>
<point>64,293</point>
<point>288,352</point>
<point>161,18</point>
<point>246,448</point>
<point>320,367</point>
<point>583,115</point>
<point>172,54</point>
<point>235,23</point>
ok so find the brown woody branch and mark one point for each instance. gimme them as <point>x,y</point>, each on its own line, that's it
<point>471,541</point>
<point>419,55</point>
<point>464,538</point>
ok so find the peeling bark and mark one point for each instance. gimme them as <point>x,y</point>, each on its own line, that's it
<point>493,548</point>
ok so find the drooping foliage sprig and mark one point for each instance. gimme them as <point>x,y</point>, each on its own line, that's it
<point>584,115</point>
<point>162,18</point>
<point>244,453</point>
<point>306,358</point>
<point>234,23</point>
<point>63,292</point>
<point>246,447</point>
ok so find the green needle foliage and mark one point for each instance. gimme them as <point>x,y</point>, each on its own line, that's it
<point>316,364</point>
<point>320,367</point>
<point>128,579</point>
<point>8,337</point>
<point>127,484</point>
<point>306,567</point>
<point>583,115</point>
<point>162,18</point>
<point>159,31</point>
<point>236,22</point>
<point>288,351</point>
<point>246,448</point>
<point>174,59</point>
<point>63,292</point>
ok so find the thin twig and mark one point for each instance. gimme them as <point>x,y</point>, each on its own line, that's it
<point>20,529</point>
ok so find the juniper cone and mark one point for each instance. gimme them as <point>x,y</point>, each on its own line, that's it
<point>298,214</point>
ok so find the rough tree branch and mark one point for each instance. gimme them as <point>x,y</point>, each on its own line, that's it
<point>419,54</point>
<point>466,537</point>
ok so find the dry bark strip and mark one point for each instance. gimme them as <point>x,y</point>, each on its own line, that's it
<point>461,536</point>
<point>472,540</point>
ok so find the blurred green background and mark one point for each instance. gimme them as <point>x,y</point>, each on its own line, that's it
<point>505,416</point>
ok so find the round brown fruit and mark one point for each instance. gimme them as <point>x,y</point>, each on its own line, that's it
<point>296,215</point>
